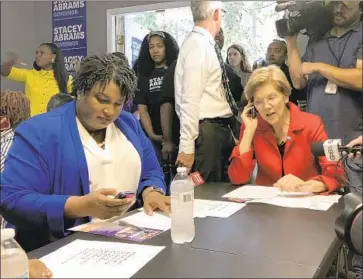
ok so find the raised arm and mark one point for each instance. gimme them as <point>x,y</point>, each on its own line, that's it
<point>9,71</point>
<point>298,79</point>
<point>242,162</point>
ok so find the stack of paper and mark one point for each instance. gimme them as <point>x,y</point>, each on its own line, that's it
<point>99,259</point>
<point>202,209</point>
<point>157,221</point>
<point>272,195</point>
<point>218,209</point>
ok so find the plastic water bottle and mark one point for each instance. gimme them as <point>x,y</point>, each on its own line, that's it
<point>182,202</point>
<point>14,261</point>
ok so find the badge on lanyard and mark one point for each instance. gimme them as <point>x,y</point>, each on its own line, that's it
<point>331,88</point>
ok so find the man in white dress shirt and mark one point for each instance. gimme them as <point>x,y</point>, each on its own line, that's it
<point>206,116</point>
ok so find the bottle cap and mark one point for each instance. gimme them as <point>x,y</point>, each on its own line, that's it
<point>181,169</point>
<point>7,234</point>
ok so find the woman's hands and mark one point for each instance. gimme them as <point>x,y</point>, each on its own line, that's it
<point>291,183</point>
<point>38,269</point>
<point>155,200</point>
<point>100,204</point>
<point>250,123</point>
<point>250,129</point>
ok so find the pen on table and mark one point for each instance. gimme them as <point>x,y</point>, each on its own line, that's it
<point>238,200</point>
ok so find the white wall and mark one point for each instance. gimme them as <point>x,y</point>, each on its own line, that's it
<point>17,33</point>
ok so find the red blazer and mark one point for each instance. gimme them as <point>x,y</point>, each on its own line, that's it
<point>298,160</point>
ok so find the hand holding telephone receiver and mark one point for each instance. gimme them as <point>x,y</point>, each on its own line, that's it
<point>253,113</point>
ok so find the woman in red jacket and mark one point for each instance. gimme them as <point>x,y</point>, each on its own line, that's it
<point>279,140</point>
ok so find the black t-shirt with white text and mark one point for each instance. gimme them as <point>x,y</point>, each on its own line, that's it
<point>149,95</point>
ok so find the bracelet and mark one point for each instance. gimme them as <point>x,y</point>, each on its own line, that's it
<point>152,189</point>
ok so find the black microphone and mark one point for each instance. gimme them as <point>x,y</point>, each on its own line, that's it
<point>332,149</point>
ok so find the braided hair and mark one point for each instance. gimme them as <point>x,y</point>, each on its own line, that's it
<point>15,106</point>
<point>102,69</point>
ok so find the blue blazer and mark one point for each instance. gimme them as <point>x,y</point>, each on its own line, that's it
<point>46,165</point>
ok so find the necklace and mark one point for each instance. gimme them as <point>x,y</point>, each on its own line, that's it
<point>98,134</point>
<point>102,144</point>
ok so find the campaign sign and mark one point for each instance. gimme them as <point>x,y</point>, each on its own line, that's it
<point>69,31</point>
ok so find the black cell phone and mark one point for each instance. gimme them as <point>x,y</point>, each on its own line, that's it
<point>253,112</point>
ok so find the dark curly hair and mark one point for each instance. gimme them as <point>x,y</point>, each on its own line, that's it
<point>145,64</point>
<point>102,69</point>
<point>15,106</point>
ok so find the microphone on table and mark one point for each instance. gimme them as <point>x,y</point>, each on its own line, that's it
<point>332,149</point>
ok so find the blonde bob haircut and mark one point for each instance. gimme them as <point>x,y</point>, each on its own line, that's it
<point>270,74</point>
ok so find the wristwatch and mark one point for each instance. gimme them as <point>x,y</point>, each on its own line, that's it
<point>147,190</point>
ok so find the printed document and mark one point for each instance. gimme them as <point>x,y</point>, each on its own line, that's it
<point>99,259</point>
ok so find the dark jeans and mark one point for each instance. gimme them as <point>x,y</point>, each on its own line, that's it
<point>157,148</point>
<point>169,168</point>
<point>212,150</point>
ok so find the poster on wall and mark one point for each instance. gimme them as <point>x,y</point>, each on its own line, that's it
<point>69,31</point>
<point>135,47</point>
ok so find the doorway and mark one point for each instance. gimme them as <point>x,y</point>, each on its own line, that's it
<point>248,23</point>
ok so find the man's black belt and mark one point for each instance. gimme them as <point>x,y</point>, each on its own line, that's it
<point>220,121</point>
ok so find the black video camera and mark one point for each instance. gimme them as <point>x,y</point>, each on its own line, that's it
<point>316,17</point>
<point>348,226</point>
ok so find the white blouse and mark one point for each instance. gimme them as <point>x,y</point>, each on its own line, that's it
<point>116,166</point>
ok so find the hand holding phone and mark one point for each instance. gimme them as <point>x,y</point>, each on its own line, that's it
<point>249,117</point>
<point>125,195</point>
<point>253,113</point>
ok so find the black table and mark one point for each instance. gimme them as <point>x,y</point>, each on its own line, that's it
<point>258,241</point>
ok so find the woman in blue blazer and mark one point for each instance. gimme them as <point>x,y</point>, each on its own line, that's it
<point>66,166</point>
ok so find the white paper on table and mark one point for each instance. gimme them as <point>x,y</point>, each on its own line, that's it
<point>303,202</point>
<point>99,259</point>
<point>218,209</point>
<point>253,192</point>
<point>272,195</point>
<point>268,192</point>
<point>157,221</point>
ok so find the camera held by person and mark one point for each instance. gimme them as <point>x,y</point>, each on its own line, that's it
<point>316,17</point>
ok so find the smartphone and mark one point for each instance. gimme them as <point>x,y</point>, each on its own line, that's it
<point>125,195</point>
<point>253,112</point>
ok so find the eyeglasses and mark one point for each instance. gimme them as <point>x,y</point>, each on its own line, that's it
<point>271,100</point>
